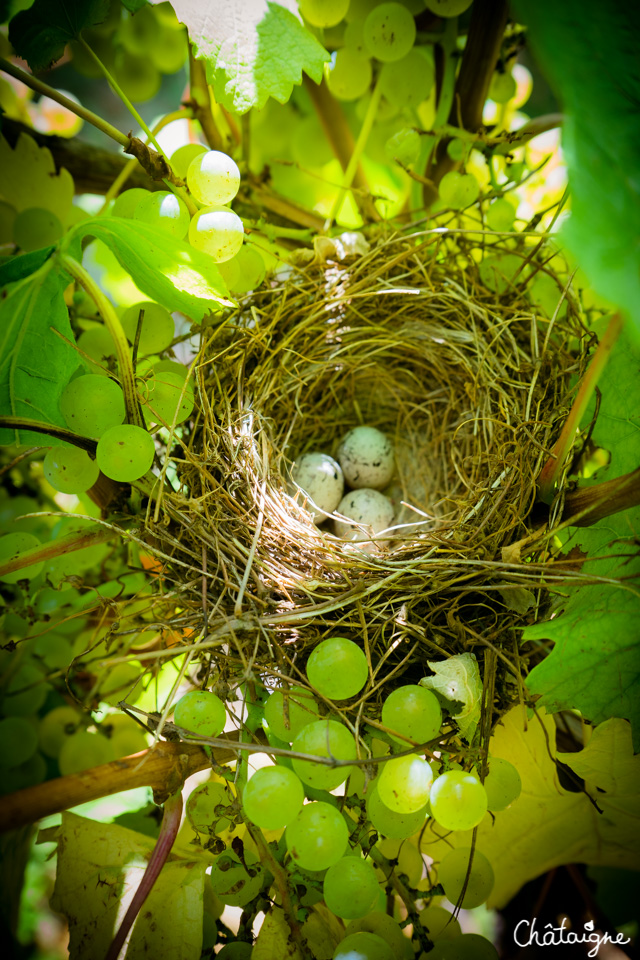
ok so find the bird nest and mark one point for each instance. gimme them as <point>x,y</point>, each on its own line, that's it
<point>443,349</point>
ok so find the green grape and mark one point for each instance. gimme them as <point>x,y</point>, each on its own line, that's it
<point>55,727</point>
<point>239,950</point>
<point>323,13</point>
<point>158,328</point>
<point>101,45</point>
<point>317,837</point>
<point>350,888</point>
<point>354,37</point>
<point>389,823</point>
<point>7,220</point>
<point>363,946</point>
<point>458,189</point>
<point>162,209</point>
<point>458,800</point>
<point>99,346</point>
<point>118,683</point>
<point>138,33</point>
<point>453,871</point>
<point>27,774</point>
<point>403,146</point>
<point>126,204</point>
<point>502,87</point>
<point>337,668</point>
<point>166,15</point>
<point>469,946</point>
<point>408,859</point>
<point>91,404</point>
<point>205,809</point>
<point>167,399</point>
<point>171,366</point>
<point>384,926</point>
<point>349,74</point>
<point>500,215</point>
<point>301,710</point>
<point>218,231</point>
<point>137,76</point>
<point>83,750</point>
<point>244,272</point>
<point>456,149</point>
<point>200,712</point>
<point>413,711</point>
<point>125,735</point>
<point>35,228</point>
<point>213,178</point>
<point>170,50</point>
<point>51,651</point>
<point>389,32</point>
<point>25,691</point>
<point>18,741</point>
<point>234,882</point>
<point>273,797</point>
<point>404,783</point>
<point>409,81</point>
<point>125,453</point>
<point>70,469</point>
<point>503,784</point>
<point>498,273</point>
<point>182,157</point>
<point>439,923</point>
<point>12,546</point>
<point>448,8</point>
<point>325,738</point>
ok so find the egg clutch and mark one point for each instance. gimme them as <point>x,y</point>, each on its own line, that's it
<point>365,464</point>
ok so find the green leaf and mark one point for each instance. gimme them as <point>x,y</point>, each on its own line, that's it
<point>35,363</point>
<point>17,268</point>
<point>171,272</point>
<point>458,679</point>
<point>274,940</point>
<point>588,50</point>
<point>99,868</point>
<point>134,5</point>
<point>40,34</point>
<point>254,54</point>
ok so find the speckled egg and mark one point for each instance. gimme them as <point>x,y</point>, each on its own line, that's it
<point>320,479</point>
<point>366,457</point>
<point>370,510</point>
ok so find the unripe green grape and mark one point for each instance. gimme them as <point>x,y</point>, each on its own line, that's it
<point>125,453</point>
<point>448,8</point>
<point>389,823</point>
<point>137,76</point>
<point>125,735</point>
<point>200,711</point>
<point>317,837</point>
<point>325,738</point>
<point>158,328</point>
<point>235,951</point>
<point>205,809</point>
<point>498,273</point>
<point>502,87</point>
<point>18,741</point>
<point>182,157</point>
<point>70,469</point>
<point>323,13</point>
<point>117,684</point>
<point>35,228</point>
<point>456,148</point>
<point>91,404</point>
<point>27,774</point>
<point>384,926</point>
<point>126,204</point>
<point>234,882</point>
<point>403,146</point>
<point>213,178</point>
<point>12,546</point>
<point>502,783</point>
<point>389,32</point>
<point>83,750</point>
<point>273,797</point>
<point>468,946</point>
<point>413,711</point>
<point>337,668</point>
<point>350,888</point>
<point>409,81</point>
<point>55,727</point>
<point>363,946</point>
<point>407,856</point>
<point>349,74</point>
<point>458,800</point>
<point>404,783</point>
<point>162,209</point>
<point>166,399</point>
<point>287,713</point>
<point>452,873</point>
<point>500,215</point>
<point>139,31</point>
<point>99,346</point>
<point>170,50</point>
<point>244,272</point>
<point>440,924</point>
<point>354,37</point>
<point>218,231</point>
<point>51,652</point>
<point>458,190</point>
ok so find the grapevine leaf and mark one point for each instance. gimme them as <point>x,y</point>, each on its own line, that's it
<point>40,34</point>
<point>458,679</point>
<point>274,940</point>
<point>100,866</point>
<point>165,269</point>
<point>548,826</point>
<point>601,137</point>
<point>323,932</point>
<point>17,268</point>
<point>35,363</point>
<point>134,5</point>
<point>30,178</point>
<point>251,51</point>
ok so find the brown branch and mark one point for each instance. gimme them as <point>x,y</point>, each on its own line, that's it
<point>200,103</point>
<point>55,548</point>
<point>587,506</point>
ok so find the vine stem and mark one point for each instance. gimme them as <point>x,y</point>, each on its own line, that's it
<point>112,322</point>
<point>43,88</point>
<point>166,838</point>
<point>67,544</point>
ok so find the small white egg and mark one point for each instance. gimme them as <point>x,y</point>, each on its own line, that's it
<point>320,479</point>
<point>371,512</point>
<point>366,457</point>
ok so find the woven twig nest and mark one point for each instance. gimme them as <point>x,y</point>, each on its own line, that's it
<point>466,377</point>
